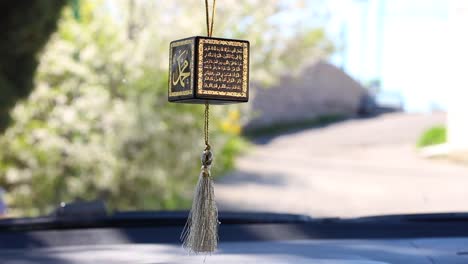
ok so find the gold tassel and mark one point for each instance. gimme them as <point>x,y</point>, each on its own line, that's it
<point>200,233</point>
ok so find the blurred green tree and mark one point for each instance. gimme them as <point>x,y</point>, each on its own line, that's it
<point>98,125</point>
<point>26,27</point>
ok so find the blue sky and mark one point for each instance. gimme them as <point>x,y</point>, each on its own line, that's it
<point>401,42</point>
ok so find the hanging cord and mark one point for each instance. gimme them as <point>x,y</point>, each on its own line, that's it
<point>207,126</point>
<point>209,31</point>
<point>209,23</point>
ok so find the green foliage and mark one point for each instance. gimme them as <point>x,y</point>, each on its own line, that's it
<point>98,125</point>
<point>26,27</point>
<point>433,136</point>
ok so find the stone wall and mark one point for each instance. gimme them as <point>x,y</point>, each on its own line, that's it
<point>320,89</point>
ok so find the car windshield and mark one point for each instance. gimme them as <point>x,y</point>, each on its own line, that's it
<point>355,108</point>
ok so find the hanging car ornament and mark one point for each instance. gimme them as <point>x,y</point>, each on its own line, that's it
<point>207,70</point>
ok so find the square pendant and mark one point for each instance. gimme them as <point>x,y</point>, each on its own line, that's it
<point>213,70</point>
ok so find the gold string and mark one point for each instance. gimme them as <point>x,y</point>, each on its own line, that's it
<point>210,20</point>
<point>207,125</point>
<point>209,31</point>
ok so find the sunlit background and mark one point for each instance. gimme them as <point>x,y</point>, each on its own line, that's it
<point>356,108</point>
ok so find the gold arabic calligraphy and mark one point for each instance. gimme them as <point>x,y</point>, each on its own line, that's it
<point>182,65</point>
<point>222,67</point>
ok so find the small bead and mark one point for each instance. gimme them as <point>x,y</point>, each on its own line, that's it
<point>207,158</point>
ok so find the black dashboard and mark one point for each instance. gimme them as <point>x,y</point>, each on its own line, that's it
<point>244,237</point>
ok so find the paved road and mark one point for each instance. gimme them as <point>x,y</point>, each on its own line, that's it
<point>353,168</point>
